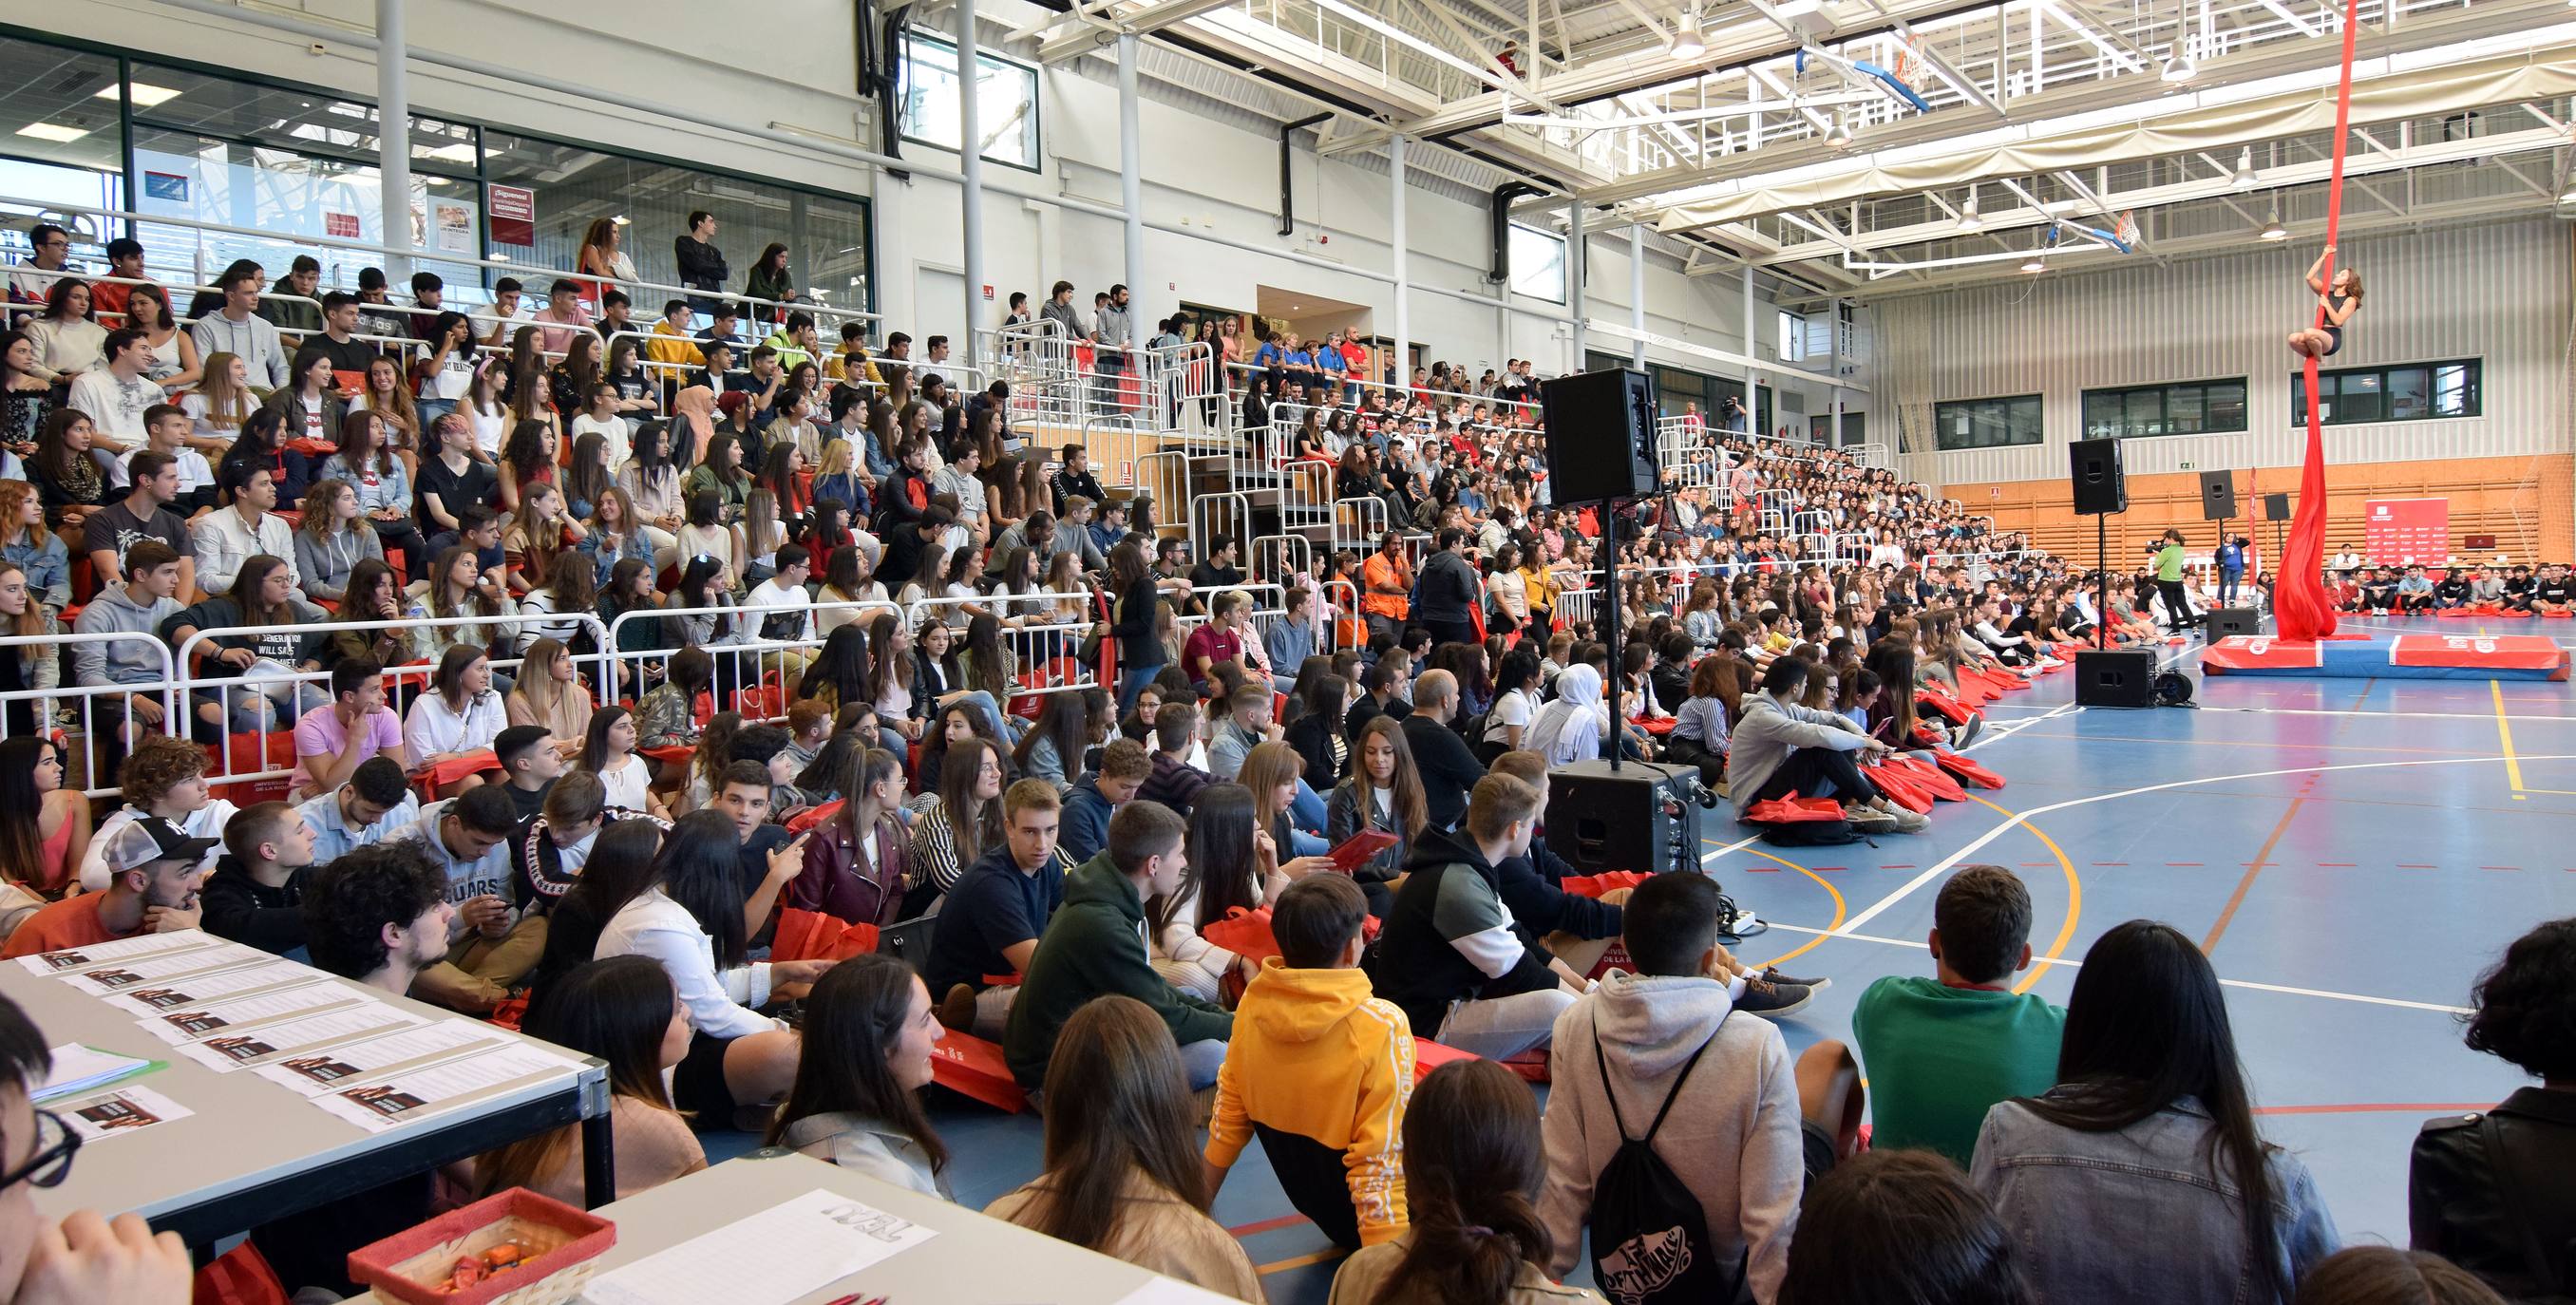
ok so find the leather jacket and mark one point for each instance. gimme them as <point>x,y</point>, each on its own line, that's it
<point>2513,1226</point>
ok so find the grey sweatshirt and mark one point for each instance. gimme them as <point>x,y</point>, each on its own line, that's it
<point>1732,1136</point>
<point>121,661</point>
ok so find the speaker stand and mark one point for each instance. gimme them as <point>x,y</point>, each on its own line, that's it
<point>1610,601</point>
<point>2102,574</point>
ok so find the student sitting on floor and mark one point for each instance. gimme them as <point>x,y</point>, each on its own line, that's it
<point>491,945</point>
<point>2414,592</point>
<point>1125,765</point>
<point>256,894</point>
<point>1941,1051</point>
<point>2518,590</point>
<point>1320,1070</point>
<point>1451,954</point>
<point>868,1033</point>
<point>621,1010</point>
<point>151,888</point>
<point>2453,589</point>
<point>991,922</point>
<point>163,777</point>
<point>375,804</point>
<point>1096,945</point>
<point>1122,1173</point>
<point>2379,591</point>
<point>1954,1251</point>
<point>1639,1048</point>
<point>1473,1165</point>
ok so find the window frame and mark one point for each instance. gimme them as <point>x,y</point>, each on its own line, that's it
<point>2005,406</point>
<point>2164,392</point>
<point>1563,275</point>
<point>983,55</point>
<point>2470,378</point>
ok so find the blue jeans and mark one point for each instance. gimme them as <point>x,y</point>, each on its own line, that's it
<point>1132,681</point>
<point>430,410</point>
<point>1201,1060</point>
<point>1306,812</point>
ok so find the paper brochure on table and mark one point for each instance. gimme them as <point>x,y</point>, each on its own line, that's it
<point>414,1094</point>
<point>124,949</point>
<point>77,1069</point>
<point>154,996</point>
<point>190,1023</point>
<point>317,1072</point>
<point>124,1110</point>
<point>125,975</point>
<point>226,1052</point>
<point>785,1252</point>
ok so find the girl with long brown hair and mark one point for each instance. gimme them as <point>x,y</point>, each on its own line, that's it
<point>954,825</point>
<point>1384,793</point>
<point>868,1029</point>
<point>624,1011</point>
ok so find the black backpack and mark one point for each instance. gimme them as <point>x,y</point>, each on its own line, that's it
<point>1811,833</point>
<point>1650,1243</point>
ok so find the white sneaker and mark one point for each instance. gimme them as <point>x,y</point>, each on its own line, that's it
<point>1908,821</point>
<point>1869,819</point>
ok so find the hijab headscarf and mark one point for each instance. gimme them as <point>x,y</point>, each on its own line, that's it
<point>1569,728</point>
<point>697,408</point>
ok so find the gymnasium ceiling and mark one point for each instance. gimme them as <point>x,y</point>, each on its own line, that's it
<point>1999,128</point>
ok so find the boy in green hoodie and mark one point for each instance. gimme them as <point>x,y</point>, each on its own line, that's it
<point>1095,946</point>
<point>1321,1070</point>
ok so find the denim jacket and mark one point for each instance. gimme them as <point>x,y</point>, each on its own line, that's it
<point>2137,1216</point>
<point>48,567</point>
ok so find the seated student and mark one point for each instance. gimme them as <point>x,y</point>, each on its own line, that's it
<point>459,716</point>
<point>2384,1275</point>
<point>1952,1249</point>
<point>1781,748</point>
<point>256,894</point>
<point>2517,590</point>
<point>332,741</point>
<point>163,777</point>
<point>577,907</point>
<point>2453,588</point>
<point>767,747</point>
<point>1943,1050</point>
<point>742,794</point>
<point>622,1011</point>
<point>1124,768</point>
<point>151,888</point>
<point>1175,783</point>
<point>82,1259</point>
<point>2482,1188</point>
<point>2379,591</point>
<point>1473,1165</point>
<point>1095,945</point>
<point>2486,587</point>
<point>1382,794</point>
<point>1382,689</point>
<point>2414,592</point>
<point>868,1034</point>
<point>2150,1112</point>
<point>1247,725</point>
<point>991,921</point>
<point>1320,1069</point>
<point>1122,1174</point>
<point>687,914</point>
<point>135,604</point>
<point>548,853</point>
<point>856,864</point>
<point>1637,1063</point>
<point>1452,955</point>
<point>376,802</point>
<point>491,946</point>
<point>531,762</point>
<point>1447,766</point>
<point>2553,592</point>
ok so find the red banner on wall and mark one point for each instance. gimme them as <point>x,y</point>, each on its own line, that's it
<point>511,214</point>
<point>2401,531</point>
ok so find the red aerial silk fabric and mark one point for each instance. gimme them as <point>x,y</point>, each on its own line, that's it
<point>2299,594</point>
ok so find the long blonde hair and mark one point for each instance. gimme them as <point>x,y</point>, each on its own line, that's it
<point>13,505</point>
<point>226,404</point>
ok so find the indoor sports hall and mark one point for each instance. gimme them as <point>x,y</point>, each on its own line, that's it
<point>1327,652</point>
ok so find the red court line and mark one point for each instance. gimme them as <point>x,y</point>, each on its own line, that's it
<point>1290,1221</point>
<point>2380,1107</point>
<point>2337,865</point>
<point>1893,866</point>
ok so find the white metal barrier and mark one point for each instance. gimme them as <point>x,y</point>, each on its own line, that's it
<point>92,709</point>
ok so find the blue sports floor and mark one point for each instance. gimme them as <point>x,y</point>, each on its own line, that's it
<point>2351,852</point>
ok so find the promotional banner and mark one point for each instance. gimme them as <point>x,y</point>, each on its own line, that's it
<point>2407,531</point>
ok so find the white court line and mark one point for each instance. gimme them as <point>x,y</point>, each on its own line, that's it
<point>1917,945</point>
<point>1980,841</point>
<point>1996,733</point>
<point>1706,857</point>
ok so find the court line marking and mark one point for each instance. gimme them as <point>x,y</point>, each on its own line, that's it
<point>2250,984</point>
<point>2504,734</point>
<point>1300,1261</point>
<point>2000,731</point>
<point>1706,857</point>
<point>2253,871</point>
<point>1840,909</point>
<point>2074,900</point>
<point>1978,843</point>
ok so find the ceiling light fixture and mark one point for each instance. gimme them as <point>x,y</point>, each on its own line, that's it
<point>146,95</point>
<point>53,131</point>
<point>2035,264</point>
<point>1968,219</point>
<point>2179,68</point>
<point>1688,43</point>
<point>2244,179</point>
<point>1840,137</point>
<point>2272,228</point>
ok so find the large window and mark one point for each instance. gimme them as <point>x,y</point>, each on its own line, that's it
<point>1538,263</point>
<point>2404,392</point>
<point>1985,423</point>
<point>1006,101</point>
<point>2186,408</point>
<point>1820,429</point>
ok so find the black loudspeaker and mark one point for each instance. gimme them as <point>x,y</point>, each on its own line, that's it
<point>1600,436</point>
<point>2224,621</point>
<point>2217,495</point>
<point>2276,507</point>
<point>1641,817</point>
<point>2094,466</point>
<point>2115,677</point>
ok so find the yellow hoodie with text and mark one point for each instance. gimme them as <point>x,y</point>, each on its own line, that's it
<point>1323,1069</point>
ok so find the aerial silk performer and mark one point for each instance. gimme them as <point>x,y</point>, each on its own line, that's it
<point>2299,604</point>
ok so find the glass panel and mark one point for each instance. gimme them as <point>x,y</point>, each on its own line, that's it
<point>2360,396</point>
<point>2101,414</point>
<point>2409,394</point>
<point>1006,102</point>
<point>2023,422</point>
<point>289,119</point>
<point>294,196</point>
<point>2145,412</point>
<point>1538,264</point>
<point>570,187</point>
<point>58,107</point>
<point>2183,410</point>
<point>2453,391</point>
<point>2225,409</point>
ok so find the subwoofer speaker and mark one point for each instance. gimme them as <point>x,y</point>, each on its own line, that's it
<point>2217,495</point>
<point>2115,677</point>
<point>2224,621</point>
<point>2094,469</point>
<point>1600,436</point>
<point>1600,820</point>
<point>2276,507</point>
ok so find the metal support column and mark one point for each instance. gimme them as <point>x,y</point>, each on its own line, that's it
<point>1131,191</point>
<point>970,166</point>
<point>1752,410</point>
<point>1403,360</point>
<point>1578,267</point>
<point>1637,294</point>
<point>393,135</point>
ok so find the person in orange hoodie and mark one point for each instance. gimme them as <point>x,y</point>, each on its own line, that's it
<point>1386,581</point>
<point>1321,1070</point>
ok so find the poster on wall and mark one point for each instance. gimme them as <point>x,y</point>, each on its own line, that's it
<point>2407,531</point>
<point>513,212</point>
<point>340,226</point>
<point>169,186</point>
<point>451,226</point>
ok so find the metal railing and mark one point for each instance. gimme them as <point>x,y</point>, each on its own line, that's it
<point>85,763</point>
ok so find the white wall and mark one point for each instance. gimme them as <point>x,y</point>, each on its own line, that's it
<point>2498,293</point>
<point>1214,175</point>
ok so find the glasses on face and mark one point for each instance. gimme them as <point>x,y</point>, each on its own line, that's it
<point>52,1161</point>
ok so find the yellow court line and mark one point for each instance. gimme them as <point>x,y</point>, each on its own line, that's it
<point>2074,897</point>
<point>2504,733</point>
<point>1839,909</point>
<point>1301,1261</point>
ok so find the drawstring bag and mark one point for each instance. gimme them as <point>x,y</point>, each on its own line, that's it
<point>1650,1242</point>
